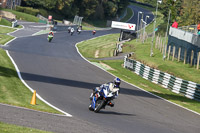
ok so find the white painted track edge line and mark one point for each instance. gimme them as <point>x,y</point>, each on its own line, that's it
<point>133,84</point>
<point>13,106</point>
<point>38,96</point>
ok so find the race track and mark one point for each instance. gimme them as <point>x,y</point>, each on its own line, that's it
<point>62,77</point>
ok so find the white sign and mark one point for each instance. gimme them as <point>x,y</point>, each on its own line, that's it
<point>120,25</point>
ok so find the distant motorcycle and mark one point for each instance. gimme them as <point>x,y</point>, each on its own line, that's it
<point>79,31</point>
<point>49,38</point>
<point>72,31</point>
<point>102,98</point>
<point>69,29</point>
<point>93,32</point>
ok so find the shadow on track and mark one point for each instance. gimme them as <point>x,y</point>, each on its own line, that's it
<point>115,113</point>
<point>80,84</point>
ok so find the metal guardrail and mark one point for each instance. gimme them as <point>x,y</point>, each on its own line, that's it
<point>177,85</point>
<point>186,36</point>
<point>190,28</point>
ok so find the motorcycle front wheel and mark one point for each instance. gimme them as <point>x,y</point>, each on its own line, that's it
<point>99,105</point>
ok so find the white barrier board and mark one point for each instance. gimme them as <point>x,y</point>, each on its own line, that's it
<point>120,25</point>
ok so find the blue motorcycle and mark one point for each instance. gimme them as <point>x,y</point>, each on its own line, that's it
<point>100,98</point>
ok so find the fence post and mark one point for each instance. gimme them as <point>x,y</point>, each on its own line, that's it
<point>165,50</point>
<point>174,48</point>
<point>179,53</point>
<point>169,52</point>
<point>198,60</point>
<point>156,42</point>
<point>185,54</point>
<point>192,56</point>
<point>163,46</point>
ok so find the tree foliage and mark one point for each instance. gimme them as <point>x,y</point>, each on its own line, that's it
<point>89,9</point>
<point>185,12</point>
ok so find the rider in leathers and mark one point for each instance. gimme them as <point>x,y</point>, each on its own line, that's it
<point>114,87</point>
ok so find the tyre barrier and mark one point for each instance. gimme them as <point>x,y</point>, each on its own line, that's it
<point>177,85</point>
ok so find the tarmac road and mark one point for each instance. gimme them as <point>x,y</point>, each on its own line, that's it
<point>62,77</point>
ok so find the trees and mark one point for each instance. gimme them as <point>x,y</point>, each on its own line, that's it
<point>186,12</point>
<point>87,8</point>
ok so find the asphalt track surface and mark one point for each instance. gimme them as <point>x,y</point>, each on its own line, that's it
<point>62,77</point>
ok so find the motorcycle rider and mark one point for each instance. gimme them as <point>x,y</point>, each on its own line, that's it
<point>78,30</point>
<point>69,29</point>
<point>72,31</point>
<point>114,87</point>
<point>93,32</point>
<point>51,33</point>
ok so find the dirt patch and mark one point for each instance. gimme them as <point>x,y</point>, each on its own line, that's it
<point>96,54</point>
<point>107,66</point>
<point>107,46</point>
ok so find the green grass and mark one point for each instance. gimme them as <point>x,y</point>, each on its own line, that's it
<point>105,49</point>
<point>128,15</point>
<point>98,23</point>
<point>9,128</point>
<point>23,16</point>
<point>5,22</point>
<point>178,69</point>
<point>131,77</point>
<point>142,52</point>
<point>4,30</point>
<point>3,37</point>
<point>12,90</point>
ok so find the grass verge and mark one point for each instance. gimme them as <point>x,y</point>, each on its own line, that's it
<point>97,49</point>
<point>142,52</point>
<point>22,16</point>
<point>9,128</point>
<point>12,90</point>
<point>128,15</point>
<point>5,22</point>
<point>178,69</point>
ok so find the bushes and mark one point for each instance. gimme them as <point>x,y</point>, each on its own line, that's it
<point>28,10</point>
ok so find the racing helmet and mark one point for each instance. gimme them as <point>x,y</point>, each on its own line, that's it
<point>117,82</point>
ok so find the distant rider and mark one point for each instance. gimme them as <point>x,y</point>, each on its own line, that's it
<point>72,31</point>
<point>69,29</point>
<point>51,33</point>
<point>114,87</point>
<point>93,32</point>
<point>79,30</point>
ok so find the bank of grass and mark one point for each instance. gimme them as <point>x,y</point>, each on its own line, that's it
<point>5,22</point>
<point>178,69</point>
<point>100,47</point>
<point>128,15</point>
<point>141,53</point>
<point>9,128</point>
<point>12,90</point>
<point>22,16</point>
<point>4,30</point>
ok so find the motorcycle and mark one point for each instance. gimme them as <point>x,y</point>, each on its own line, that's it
<point>71,33</point>
<point>93,32</point>
<point>50,37</point>
<point>79,31</point>
<point>101,98</point>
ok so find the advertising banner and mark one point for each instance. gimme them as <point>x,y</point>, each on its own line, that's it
<point>121,25</point>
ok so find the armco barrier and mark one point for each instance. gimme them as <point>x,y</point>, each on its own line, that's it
<point>187,88</point>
